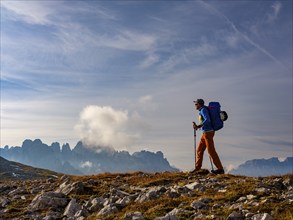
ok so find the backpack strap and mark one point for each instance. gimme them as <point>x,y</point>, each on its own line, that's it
<point>208,109</point>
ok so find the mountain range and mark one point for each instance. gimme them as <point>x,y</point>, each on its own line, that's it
<point>83,159</point>
<point>265,167</point>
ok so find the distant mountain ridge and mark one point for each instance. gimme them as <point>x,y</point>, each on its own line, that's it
<point>265,167</point>
<point>83,160</point>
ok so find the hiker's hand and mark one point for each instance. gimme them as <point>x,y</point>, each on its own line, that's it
<point>194,126</point>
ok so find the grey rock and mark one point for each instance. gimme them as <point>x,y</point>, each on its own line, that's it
<point>199,216</point>
<point>51,180</point>
<point>264,216</point>
<point>235,216</point>
<point>35,190</point>
<point>205,200</point>
<point>68,188</point>
<point>262,190</point>
<point>133,216</point>
<point>52,216</point>
<point>242,199</point>
<point>249,215</point>
<point>197,205</point>
<point>64,178</point>
<point>109,209</point>
<point>71,208</point>
<point>287,195</point>
<point>171,215</point>
<point>19,190</point>
<point>183,190</point>
<point>5,189</point>
<point>251,197</point>
<point>288,183</point>
<point>82,213</point>
<point>96,204</point>
<point>3,202</point>
<point>52,200</point>
<point>91,181</point>
<point>173,194</point>
<point>153,193</point>
<point>124,201</point>
<point>118,193</point>
<point>193,186</point>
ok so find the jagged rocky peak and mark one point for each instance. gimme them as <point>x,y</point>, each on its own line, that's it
<point>66,148</point>
<point>27,143</point>
<point>56,147</point>
<point>83,146</point>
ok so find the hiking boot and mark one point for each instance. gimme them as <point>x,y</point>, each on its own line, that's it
<point>200,171</point>
<point>218,171</point>
<point>195,171</point>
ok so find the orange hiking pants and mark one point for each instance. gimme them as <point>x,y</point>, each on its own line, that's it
<point>207,141</point>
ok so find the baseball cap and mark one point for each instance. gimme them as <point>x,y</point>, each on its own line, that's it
<point>199,101</point>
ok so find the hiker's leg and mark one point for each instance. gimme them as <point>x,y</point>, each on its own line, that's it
<point>209,139</point>
<point>199,153</point>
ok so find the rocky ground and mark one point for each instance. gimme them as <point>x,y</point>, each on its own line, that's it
<point>159,196</point>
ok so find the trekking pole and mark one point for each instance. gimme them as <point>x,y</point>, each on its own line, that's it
<point>194,135</point>
<point>211,163</point>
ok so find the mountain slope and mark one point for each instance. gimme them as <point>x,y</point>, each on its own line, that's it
<point>18,171</point>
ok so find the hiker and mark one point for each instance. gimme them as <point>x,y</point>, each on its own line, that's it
<point>206,141</point>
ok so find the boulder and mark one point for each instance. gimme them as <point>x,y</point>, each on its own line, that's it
<point>235,216</point>
<point>264,216</point>
<point>151,194</point>
<point>133,216</point>
<point>68,188</point>
<point>96,204</point>
<point>197,205</point>
<point>52,200</point>
<point>171,215</point>
<point>108,209</point>
<point>71,208</point>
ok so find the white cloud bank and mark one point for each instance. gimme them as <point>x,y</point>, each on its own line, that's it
<point>86,164</point>
<point>103,126</point>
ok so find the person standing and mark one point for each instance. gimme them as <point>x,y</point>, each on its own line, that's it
<point>207,139</point>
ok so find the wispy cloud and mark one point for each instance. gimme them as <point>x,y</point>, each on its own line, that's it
<point>273,15</point>
<point>127,40</point>
<point>244,36</point>
<point>149,61</point>
<point>189,55</point>
<point>33,12</point>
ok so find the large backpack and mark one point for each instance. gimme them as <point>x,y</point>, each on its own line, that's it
<point>216,115</point>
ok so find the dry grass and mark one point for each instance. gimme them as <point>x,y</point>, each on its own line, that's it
<point>236,187</point>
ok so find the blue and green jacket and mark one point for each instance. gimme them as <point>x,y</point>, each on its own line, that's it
<point>204,119</point>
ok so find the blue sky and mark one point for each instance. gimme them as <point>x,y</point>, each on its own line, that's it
<point>125,73</point>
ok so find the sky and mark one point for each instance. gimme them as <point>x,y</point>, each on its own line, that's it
<point>124,74</point>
